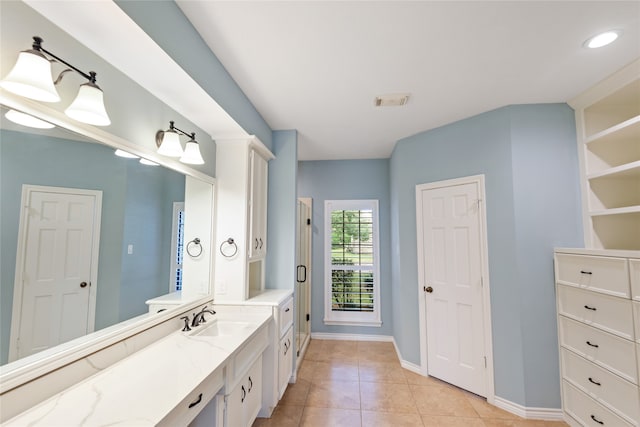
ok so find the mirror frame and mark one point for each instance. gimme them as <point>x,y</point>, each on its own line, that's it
<point>18,372</point>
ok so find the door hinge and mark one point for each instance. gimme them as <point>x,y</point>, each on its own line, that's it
<point>308,221</point>
<point>481,282</point>
<point>485,361</point>
<point>307,317</point>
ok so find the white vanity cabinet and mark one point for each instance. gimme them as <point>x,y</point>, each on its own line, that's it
<point>241,218</point>
<point>599,343</point>
<point>284,326</point>
<point>245,400</point>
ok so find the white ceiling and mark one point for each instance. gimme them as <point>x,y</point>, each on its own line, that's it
<point>317,66</point>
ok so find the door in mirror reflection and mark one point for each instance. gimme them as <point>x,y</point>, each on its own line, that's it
<point>54,301</point>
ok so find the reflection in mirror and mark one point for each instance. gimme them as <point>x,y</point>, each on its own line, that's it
<point>92,243</point>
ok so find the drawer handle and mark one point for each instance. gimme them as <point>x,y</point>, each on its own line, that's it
<point>287,310</point>
<point>593,345</point>
<point>191,405</point>
<point>596,420</point>
<point>251,384</point>
<point>590,308</point>
<point>244,394</point>
<point>585,272</point>
<point>593,382</point>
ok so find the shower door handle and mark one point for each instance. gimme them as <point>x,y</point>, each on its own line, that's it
<point>304,270</point>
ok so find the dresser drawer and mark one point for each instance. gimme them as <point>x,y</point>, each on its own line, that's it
<point>607,388</point>
<point>634,274</point>
<point>601,274</point>
<point>586,410</point>
<point>609,351</point>
<point>612,314</point>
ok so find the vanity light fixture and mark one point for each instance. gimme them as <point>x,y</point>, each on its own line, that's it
<point>602,39</point>
<point>31,77</point>
<point>28,120</point>
<point>168,143</point>
<point>126,154</point>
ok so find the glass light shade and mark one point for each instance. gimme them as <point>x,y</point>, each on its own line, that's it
<point>148,162</point>
<point>170,144</point>
<point>31,77</point>
<point>88,107</point>
<point>28,120</point>
<point>125,154</point>
<point>192,154</point>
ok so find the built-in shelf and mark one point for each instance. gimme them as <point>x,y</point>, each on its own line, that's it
<point>608,130</point>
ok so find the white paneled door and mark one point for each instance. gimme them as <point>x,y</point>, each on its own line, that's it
<point>57,263</point>
<point>450,258</point>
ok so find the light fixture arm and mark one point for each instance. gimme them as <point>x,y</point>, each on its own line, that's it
<point>37,45</point>
<point>192,135</point>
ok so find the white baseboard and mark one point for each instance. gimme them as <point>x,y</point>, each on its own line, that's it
<point>350,337</point>
<point>549,414</point>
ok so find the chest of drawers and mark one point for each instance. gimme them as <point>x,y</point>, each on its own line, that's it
<point>598,303</point>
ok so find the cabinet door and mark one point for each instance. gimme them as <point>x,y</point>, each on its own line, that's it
<point>258,206</point>
<point>235,405</point>
<point>253,400</point>
<point>285,361</point>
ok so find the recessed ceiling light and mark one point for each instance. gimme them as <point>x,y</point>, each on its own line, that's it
<point>25,119</point>
<point>602,39</point>
<point>391,100</point>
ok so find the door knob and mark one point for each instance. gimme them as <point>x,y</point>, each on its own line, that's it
<point>428,289</point>
<point>83,284</point>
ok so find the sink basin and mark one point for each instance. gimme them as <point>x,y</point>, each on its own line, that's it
<point>221,328</point>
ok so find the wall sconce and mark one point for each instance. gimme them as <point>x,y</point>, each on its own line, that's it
<point>168,143</point>
<point>31,77</point>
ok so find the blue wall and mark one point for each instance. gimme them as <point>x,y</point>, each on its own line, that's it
<point>347,179</point>
<point>528,155</point>
<point>165,23</point>
<point>34,159</point>
<point>281,219</point>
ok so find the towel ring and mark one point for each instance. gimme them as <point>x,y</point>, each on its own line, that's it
<point>229,242</point>
<point>194,243</point>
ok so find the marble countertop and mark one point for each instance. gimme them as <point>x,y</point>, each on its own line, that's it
<point>144,387</point>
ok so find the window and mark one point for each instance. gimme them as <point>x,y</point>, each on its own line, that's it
<point>177,247</point>
<point>352,290</point>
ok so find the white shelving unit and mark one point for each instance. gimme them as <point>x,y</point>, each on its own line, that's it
<point>608,130</point>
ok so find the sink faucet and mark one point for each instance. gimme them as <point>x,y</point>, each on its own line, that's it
<point>199,317</point>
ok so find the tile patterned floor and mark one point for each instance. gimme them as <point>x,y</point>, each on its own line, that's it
<point>351,384</point>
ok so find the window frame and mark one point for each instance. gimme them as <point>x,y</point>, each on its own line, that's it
<point>354,318</point>
<point>174,266</point>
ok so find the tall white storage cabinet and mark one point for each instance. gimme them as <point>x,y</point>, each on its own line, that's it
<point>599,335</point>
<point>241,220</point>
<point>608,130</point>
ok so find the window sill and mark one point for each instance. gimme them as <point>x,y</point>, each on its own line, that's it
<point>374,324</point>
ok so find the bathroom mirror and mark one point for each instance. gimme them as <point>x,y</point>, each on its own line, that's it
<point>138,236</point>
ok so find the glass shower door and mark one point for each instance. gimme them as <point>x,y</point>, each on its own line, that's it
<point>303,278</point>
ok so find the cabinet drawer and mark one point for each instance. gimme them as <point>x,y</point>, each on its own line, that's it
<point>607,388</point>
<point>634,274</point>
<point>601,274</point>
<point>285,316</point>
<point>612,314</point>
<point>587,411</point>
<point>191,406</point>
<point>609,351</point>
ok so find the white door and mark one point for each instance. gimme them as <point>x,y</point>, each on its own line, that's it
<point>450,267</point>
<point>56,268</point>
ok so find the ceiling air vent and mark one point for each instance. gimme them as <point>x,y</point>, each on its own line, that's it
<point>393,100</point>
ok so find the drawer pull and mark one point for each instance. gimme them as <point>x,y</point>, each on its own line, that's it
<point>191,405</point>
<point>585,272</point>
<point>593,345</point>
<point>244,394</point>
<point>590,308</point>
<point>593,382</point>
<point>596,420</point>
<point>251,384</point>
